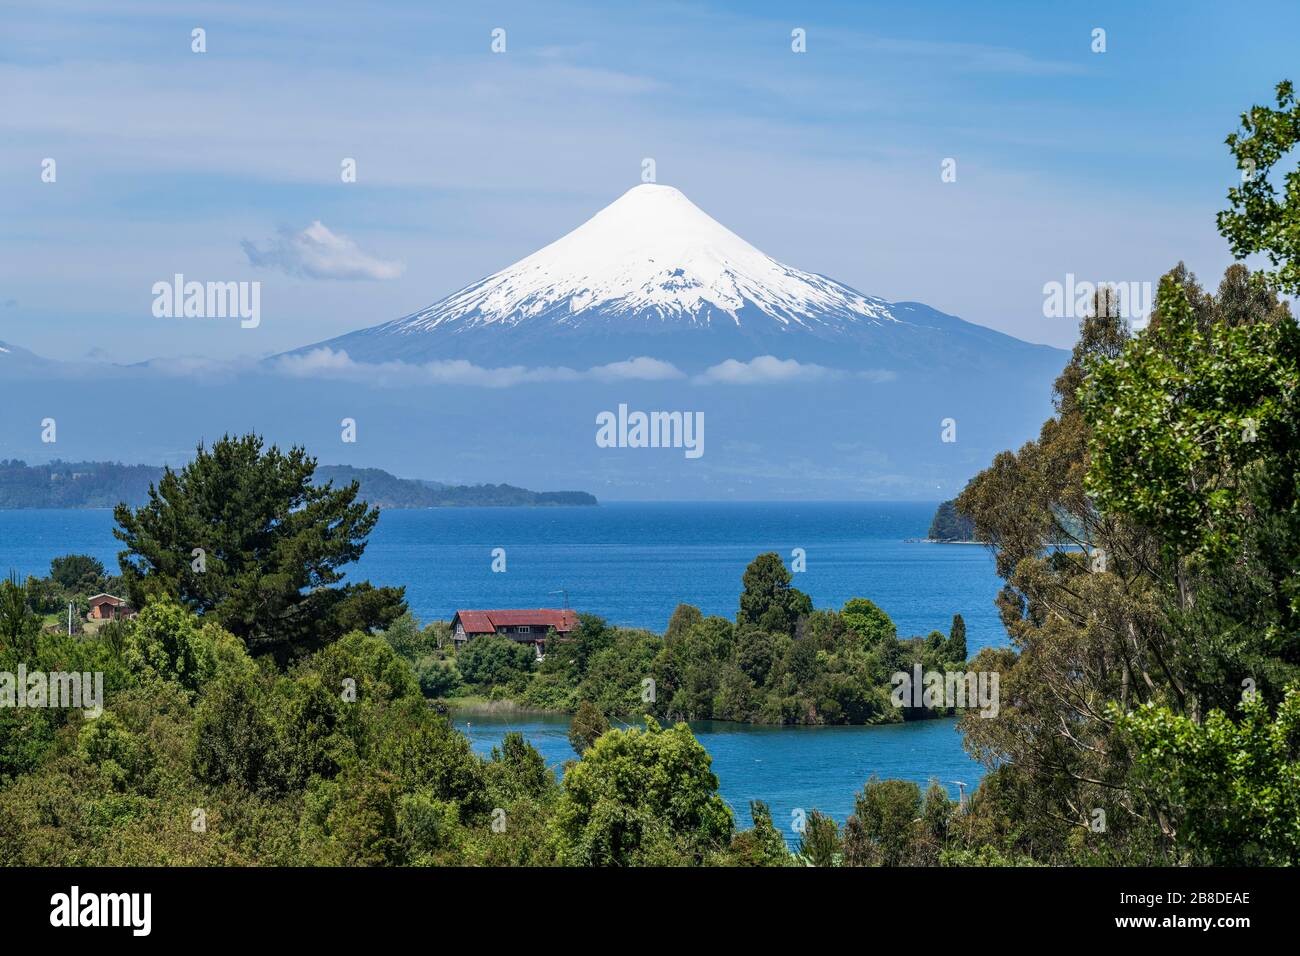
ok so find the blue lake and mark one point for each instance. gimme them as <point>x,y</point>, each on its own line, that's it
<point>790,768</point>
<point>633,563</point>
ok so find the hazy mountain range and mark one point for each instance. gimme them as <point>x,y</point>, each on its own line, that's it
<point>102,484</point>
<point>806,388</point>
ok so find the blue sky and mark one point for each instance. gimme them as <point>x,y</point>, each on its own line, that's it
<point>1110,166</point>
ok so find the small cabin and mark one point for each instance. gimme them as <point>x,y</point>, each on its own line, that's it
<point>525,626</point>
<point>107,607</point>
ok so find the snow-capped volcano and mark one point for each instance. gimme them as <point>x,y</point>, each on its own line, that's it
<point>809,388</point>
<point>653,275</point>
<point>650,253</point>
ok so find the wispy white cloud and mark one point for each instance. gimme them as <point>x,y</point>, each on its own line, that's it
<point>328,363</point>
<point>764,370</point>
<point>338,365</point>
<point>194,367</point>
<point>318,253</point>
<point>643,369</point>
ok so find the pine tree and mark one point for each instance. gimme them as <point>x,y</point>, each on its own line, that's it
<point>243,535</point>
<point>586,727</point>
<point>955,648</point>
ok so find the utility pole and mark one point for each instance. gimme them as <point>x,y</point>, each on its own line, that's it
<point>566,597</point>
<point>69,619</point>
<point>961,789</point>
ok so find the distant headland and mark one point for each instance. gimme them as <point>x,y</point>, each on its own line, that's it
<point>950,526</point>
<point>99,484</point>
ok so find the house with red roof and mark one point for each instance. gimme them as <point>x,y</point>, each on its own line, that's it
<point>526,626</point>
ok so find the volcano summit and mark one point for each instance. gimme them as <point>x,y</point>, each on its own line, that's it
<point>653,275</point>
<point>810,388</point>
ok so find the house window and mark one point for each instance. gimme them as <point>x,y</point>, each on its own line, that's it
<point>525,629</point>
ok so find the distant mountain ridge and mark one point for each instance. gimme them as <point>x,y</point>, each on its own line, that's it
<point>12,357</point>
<point>74,484</point>
<point>97,484</point>
<point>388,491</point>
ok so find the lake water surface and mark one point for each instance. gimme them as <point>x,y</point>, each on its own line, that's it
<point>791,768</point>
<point>633,563</point>
<point>629,562</point>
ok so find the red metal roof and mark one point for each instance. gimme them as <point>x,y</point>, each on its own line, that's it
<point>486,622</point>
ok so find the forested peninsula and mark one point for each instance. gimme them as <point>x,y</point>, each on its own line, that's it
<point>104,484</point>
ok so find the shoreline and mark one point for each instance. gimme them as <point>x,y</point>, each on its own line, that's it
<point>481,706</point>
<point>492,708</point>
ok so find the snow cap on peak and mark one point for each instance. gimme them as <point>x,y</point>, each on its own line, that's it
<point>647,188</point>
<point>662,209</point>
<point>650,252</point>
<point>653,192</point>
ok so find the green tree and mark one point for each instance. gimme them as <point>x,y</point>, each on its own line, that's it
<point>438,678</point>
<point>234,737</point>
<point>1080,637</point>
<point>1149,540</point>
<point>761,845</point>
<point>755,653</point>
<point>45,596</point>
<point>685,617</point>
<point>820,843</point>
<point>641,796</point>
<point>935,822</point>
<point>1210,413</point>
<point>1258,221</point>
<point>516,771</point>
<point>78,573</point>
<point>881,830</point>
<point>363,824</point>
<point>165,643</point>
<point>588,723</point>
<point>492,659</point>
<point>591,636</point>
<point>1225,790</point>
<point>122,756</point>
<point>613,681</point>
<point>955,646</point>
<point>272,548</point>
<point>1178,418</point>
<point>868,621</point>
<point>688,671</point>
<point>409,640</point>
<point>768,602</point>
<point>19,627</point>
